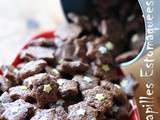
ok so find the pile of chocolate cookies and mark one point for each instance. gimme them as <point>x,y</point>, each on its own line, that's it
<point>120,21</point>
<point>75,74</point>
<point>72,76</point>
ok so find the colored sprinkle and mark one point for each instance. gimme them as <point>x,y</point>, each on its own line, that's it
<point>81,111</point>
<point>115,108</point>
<point>61,61</point>
<point>105,68</point>
<point>100,97</point>
<point>55,72</point>
<point>23,87</point>
<point>102,50</point>
<point>47,88</point>
<point>60,102</point>
<point>124,83</point>
<point>87,79</point>
<point>109,45</point>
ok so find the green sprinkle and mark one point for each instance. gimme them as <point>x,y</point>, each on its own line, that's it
<point>130,18</point>
<point>109,45</point>
<point>23,87</point>
<point>47,88</point>
<point>60,102</point>
<point>100,97</point>
<point>124,83</point>
<point>15,71</point>
<point>61,61</point>
<point>115,108</point>
<point>87,79</point>
<point>105,68</point>
<point>55,72</point>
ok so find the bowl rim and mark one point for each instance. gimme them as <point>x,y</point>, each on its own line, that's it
<point>50,34</point>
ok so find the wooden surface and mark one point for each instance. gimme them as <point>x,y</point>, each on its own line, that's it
<point>142,90</point>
